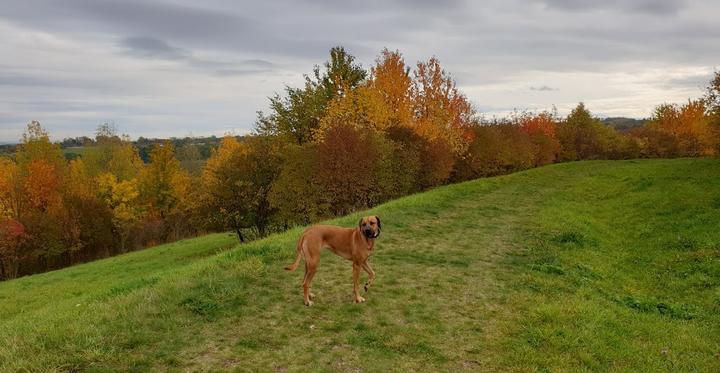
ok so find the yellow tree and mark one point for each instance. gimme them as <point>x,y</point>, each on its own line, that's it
<point>391,78</point>
<point>12,232</point>
<point>441,110</point>
<point>123,199</point>
<point>10,189</point>
<point>158,185</point>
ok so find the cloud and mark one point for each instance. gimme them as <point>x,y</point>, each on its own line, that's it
<point>652,7</point>
<point>543,88</point>
<point>147,47</point>
<point>152,48</point>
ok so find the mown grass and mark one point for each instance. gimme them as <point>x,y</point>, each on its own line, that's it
<point>581,266</point>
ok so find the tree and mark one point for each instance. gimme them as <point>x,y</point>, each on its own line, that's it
<point>10,189</point>
<point>541,128</point>
<point>190,158</point>
<point>111,153</point>
<point>157,185</point>
<point>496,149</point>
<point>236,183</point>
<point>391,78</point>
<point>712,98</point>
<point>584,137</point>
<point>12,253</point>
<point>297,115</point>
<point>122,197</point>
<point>342,74</point>
<point>348,160</point>
<point>679,130</point>
<point>53,234</point>
<point>296,194</point>
<point>441,110</point>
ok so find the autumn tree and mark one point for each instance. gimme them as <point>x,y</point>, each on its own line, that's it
<point>158,179</point>
<point>236,184</point>
<point>541,129</point>
<point>12,253</point>
<point>347,164</point>
<point>442,111</point>
<point>10,189</point>
<point>390,77</point>
<point>679,130</point>
<point>123,198</point>
<point>52,231</point>
<point>496,149</point>
<point>93,216</point>
<point>443,117</point>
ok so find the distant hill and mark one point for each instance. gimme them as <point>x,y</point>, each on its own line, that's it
<point>623,124</point>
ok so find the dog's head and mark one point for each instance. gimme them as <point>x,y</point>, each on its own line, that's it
<point>370,226</point>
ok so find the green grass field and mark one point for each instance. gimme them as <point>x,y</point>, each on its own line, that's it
<point>607,265</point>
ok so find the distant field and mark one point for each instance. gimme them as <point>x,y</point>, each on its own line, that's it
<point>607,265</point>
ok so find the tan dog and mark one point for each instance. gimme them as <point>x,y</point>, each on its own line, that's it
<point>354,244</point>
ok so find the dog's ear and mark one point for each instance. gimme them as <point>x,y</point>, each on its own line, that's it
<point>378,220</point>
<point>360,223</point>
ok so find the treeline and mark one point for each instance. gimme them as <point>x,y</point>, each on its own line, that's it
<point>348,139</point>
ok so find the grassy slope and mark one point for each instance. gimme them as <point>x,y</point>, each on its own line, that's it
<point>591,265</point>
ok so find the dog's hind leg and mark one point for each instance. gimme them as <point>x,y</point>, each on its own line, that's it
<point>309,274</point>
<point>312,259</point>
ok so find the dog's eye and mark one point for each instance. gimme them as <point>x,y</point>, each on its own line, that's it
<point>372,223</point>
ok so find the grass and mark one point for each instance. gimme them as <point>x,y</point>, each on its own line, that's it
<point>571,267</point>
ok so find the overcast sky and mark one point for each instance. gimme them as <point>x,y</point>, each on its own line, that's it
<point>160,68</point>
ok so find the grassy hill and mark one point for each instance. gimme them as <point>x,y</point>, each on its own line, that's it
<point>579,266</point>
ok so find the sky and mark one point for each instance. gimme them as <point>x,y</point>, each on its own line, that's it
<point>162,68</point>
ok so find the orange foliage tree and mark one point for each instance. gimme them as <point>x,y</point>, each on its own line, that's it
<point>541,128</point>
<point>12,239</point>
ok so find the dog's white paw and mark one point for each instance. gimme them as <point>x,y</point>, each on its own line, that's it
<point>309,303</point>
<point>359,299</point>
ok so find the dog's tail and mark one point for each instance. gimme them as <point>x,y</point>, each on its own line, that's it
<point>296,263</point>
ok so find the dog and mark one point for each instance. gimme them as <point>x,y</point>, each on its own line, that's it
<point>354,244</point>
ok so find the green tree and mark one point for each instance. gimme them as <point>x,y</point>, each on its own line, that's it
<point>112,153</point>
<point>297,115</point>
<point>583,136</point>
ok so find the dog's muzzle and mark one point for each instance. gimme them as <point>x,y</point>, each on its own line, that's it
<point>370,234</point>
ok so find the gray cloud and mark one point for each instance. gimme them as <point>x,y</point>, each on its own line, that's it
<point>543,88</point>
<point>657,7</point>
<point>148,47</point>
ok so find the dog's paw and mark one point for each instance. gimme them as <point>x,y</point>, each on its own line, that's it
<point>309,303</point>
<point>359,299</point>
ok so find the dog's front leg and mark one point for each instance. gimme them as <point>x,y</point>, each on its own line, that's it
<point>371,275</point>
<point>356,283</point>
